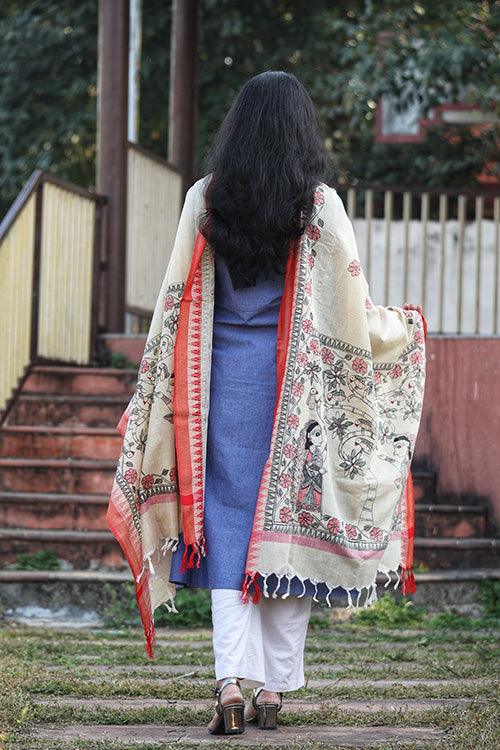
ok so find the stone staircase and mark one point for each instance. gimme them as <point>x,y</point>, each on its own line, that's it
<point>58,453</point>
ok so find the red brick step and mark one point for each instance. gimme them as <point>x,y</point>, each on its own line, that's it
<point>80,511</point>
<point>442,553</point>
<point>81,548</point>
<point>51,409</point>
<point>64,380</point>
<point>59,442</point>
<point>31,510</point>
<point>56,475</point>
<point>460,521</point>
<point>424,482</point>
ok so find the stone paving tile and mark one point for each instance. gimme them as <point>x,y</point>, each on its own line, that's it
<point>153,668</point>
<point>202,675</point>
<point>331,645</point>
<point>282,737</point>
<point>290,705</point>
<point>178,644</point>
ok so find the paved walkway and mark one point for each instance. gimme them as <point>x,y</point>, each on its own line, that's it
<point>365,688</point>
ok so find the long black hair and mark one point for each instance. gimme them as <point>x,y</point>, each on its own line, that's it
<point>267,158</point>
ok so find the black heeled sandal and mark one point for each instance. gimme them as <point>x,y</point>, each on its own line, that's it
<point>267,713</point>
<point>230,718</point>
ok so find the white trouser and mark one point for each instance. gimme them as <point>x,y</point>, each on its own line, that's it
<point>263,644</point>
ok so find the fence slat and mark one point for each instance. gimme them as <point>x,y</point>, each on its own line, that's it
<point>462,203</point>
<point>406,241</point>
<point>424,218</point>
<point>387,256</point>
<point>496,219</point>
<point>479,223</point>
<point>368,219</point>
<point>443,215</point>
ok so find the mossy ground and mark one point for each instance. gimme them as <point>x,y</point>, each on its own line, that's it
<point>48,665</point>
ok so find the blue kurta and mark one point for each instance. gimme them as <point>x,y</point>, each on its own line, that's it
<point>240,420</point>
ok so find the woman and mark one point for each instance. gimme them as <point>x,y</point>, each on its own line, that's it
<point>252,446</point>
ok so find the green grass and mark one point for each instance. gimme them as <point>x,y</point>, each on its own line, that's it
<point>400,642</point>
<point>392,612</point>
<point>194,609</point>
<point>41,560</point>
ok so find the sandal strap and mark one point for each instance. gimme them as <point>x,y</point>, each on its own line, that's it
<point>226,681</point>
<point>256,691</point>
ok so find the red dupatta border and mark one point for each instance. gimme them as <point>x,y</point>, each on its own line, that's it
<point>121,525</point>
<point>282,344</point>
<point>408,542</point>
<point>187,411</point>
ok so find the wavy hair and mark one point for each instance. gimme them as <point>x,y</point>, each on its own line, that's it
<point>267,158</point>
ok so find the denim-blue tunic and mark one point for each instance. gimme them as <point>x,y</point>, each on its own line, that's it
<point>240,420</point>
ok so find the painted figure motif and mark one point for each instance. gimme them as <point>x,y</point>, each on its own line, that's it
<point>310,489</point>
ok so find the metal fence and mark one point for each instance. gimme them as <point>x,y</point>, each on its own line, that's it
<point>49,273</point>
<point>153,208</point>
<point>434,247</point>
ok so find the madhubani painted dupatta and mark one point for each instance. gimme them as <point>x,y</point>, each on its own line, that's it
<point>335,503</point>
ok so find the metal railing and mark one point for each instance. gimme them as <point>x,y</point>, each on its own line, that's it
<point>154,196</point>
<point>434,247</point>
<point>49,276</point>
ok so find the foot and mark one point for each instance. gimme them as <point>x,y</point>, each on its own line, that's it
<point>230,694</point>
<point>265,696</point>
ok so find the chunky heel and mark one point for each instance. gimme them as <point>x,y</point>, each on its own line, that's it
<point>228,719</point>
<point>267,716</point>
<point>232,715</point>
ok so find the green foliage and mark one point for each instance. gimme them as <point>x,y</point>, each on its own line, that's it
<point>41,560</point>
<point>193,605</point>
<point>106,358</point>
<point>319,621</point>
<point>489,593</point>
<point>121,611</point>
<point>48,71</point>
<point>334,48</point>
<point>448,620</point>
<point>389,612</point>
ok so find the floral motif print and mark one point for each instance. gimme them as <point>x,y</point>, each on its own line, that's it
<point>305,519</point>
<point>354,267</point>
<point>148,481</point>
<point>169,302</point>
<point>333,525</point>
<point>153,367</point>
<point>346,377</point>
<point>313,232</point>
<point>307,325</point>
<point>396,371</point>
<point>351,531</point>
<point>130,476</point>
<point>360,365</point>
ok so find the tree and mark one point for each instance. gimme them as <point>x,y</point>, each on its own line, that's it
<point>48,61</point>
<point>48,67</point>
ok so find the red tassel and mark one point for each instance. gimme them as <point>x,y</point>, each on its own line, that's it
<point>150,638</point>
<point>424,321</point>
<point>409,586</point>
<point>244,587</point>
<point>191,558</point>
<point>257,592</point>
<point>247,582</point>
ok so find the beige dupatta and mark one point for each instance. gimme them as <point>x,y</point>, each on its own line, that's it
<point>350,381</point>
